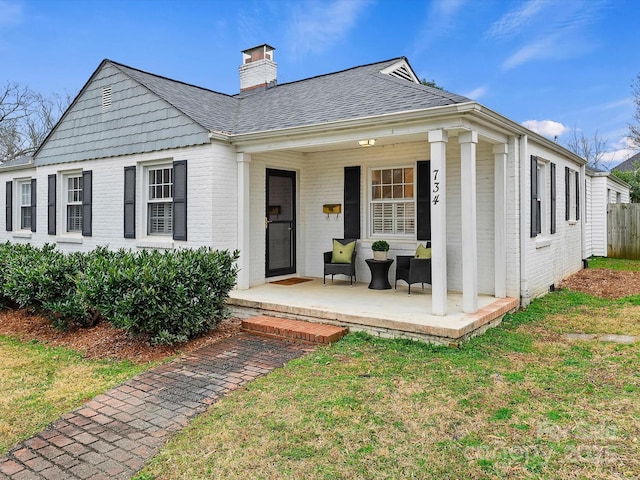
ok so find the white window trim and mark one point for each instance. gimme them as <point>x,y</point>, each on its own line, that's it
<point>64,193</point>
<point>572,196</point>
<point>370,202</point>
<point>152,240</point>
<point>543,239</point>
<point>17,202</point>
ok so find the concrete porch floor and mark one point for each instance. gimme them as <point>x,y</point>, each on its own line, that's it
<point>386,313</point>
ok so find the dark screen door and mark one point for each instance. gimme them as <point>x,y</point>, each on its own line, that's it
<point>280,222</point>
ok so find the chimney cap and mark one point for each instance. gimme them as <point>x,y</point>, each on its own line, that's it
<point>266,47</point>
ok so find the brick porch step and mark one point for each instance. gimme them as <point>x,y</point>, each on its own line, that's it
<point>293,329</point>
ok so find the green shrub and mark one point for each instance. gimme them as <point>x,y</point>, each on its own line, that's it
<point>170,296</point>
<point>43,280</point>
<point>6,251</point>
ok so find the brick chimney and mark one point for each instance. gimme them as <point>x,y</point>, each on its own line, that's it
<point>258,70</point>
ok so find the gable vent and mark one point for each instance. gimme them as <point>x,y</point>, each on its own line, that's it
<point>106,98</point>
<point>402,73</point>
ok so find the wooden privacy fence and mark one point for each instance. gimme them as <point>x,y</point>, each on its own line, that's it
<point>623,230</point>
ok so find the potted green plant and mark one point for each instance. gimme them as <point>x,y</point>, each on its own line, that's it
<point>380,249</point>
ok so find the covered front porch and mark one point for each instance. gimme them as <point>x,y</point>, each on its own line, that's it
<point>385,313</point>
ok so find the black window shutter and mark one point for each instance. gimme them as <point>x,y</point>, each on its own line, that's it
<point>180,200</point>
<point>130,202</point>
<point>34,199</point>
<point>535,220</point>
<point>553,198</point>
<point>577,196</point>
<point>423,200</point>
<point>352,202</point>
<point>87,188</point>
<point>51,204</point>
<point>9,206</point>
<point>567,198</point>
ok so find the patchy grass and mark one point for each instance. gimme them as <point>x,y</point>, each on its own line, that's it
<point>614,264</point>
<point>39,383</point>
<point>518,402</point>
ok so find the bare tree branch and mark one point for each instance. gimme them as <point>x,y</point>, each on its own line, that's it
<point>26,118</point>
<point>634,127</point>
<point>591,149</point>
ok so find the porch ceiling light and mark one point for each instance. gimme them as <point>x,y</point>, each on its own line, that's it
<point>367,143</point>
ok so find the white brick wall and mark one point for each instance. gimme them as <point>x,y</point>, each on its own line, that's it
<point>551,258</point>
<point>320,181</point>
<point>211,204</point>
<point>513,215</point>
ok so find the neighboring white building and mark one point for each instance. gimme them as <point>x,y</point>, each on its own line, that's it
<point>602,189</point>
<point>142,161</point>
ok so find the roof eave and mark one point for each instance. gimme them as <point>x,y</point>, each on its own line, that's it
<point>404,116</point>
<point>473,109</point>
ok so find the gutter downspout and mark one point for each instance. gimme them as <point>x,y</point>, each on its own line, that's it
<point>525,295</point>
<point>583,216</point>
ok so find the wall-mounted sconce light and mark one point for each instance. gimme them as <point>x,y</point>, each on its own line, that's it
<point>367,143</point>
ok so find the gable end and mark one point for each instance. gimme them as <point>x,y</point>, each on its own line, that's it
<point>401,70</point>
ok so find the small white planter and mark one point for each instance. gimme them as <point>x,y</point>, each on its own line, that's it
<point>379,255</point>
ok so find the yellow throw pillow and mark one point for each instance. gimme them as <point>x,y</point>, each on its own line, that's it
<point>342,253</point>
<point>423,252</point>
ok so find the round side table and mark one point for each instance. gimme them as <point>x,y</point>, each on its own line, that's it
<point>379,273</point>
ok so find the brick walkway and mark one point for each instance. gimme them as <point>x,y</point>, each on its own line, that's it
<point>113,435</point>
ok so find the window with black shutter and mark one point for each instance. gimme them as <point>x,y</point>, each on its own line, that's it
<point>180,200</point>
<point>352,202</point>
<point>130,202</point>
<point>9,206</point>
<point>51,204</point>
<point>553,198</point>
<point>536,222</point>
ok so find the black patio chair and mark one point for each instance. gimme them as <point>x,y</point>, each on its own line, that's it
<point>412,270</point>
<point>348,269</point>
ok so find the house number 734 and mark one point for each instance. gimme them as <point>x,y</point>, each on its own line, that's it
<point>436,188</point>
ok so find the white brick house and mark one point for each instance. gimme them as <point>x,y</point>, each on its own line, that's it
<point>142,161</point>
<point>602,189</point>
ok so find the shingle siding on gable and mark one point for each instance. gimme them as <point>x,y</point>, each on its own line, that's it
<point>138,121</point>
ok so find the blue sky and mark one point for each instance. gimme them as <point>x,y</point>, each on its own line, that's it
<point>553,65</point>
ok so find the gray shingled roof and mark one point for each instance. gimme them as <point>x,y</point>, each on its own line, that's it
<point>355,93</point>
<point>349,94</point>
<point>214,111</point>
<point>629,165</point>
<point>18,161</point>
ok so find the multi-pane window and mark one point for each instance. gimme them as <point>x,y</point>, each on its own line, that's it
<point>74,203</point>
<point>392,201</point>
<point>160,201</point>
<point>25,205</point>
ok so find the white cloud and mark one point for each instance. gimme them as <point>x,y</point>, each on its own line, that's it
<point>546,128</point>
<point>542,48</point>
<point>546,29</point>
<point>514,20</point>
<point>318,25</point>
<point>476,93</point>
<point>10,13</point>
<point>619,152</point>
<point>439,21</point>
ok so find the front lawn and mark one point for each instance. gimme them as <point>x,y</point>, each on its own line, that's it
<point>40,383</point>
<point>521,401</point>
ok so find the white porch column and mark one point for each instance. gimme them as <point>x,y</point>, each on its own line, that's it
<point>438,140</point>
<point>468,141</point>
<point>244,220</point>
<point>500,198</point>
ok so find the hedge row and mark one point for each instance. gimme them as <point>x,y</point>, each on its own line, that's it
<point>169,296</point>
